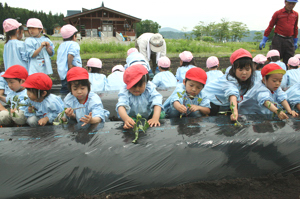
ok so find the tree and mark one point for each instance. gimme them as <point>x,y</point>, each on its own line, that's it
<point>238,30</point>
<point>222,30</point>
<point>258,36</point>
<point>147,26</point>
<point>198,30</point>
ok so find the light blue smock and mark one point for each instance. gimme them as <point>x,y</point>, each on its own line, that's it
<point>93,104</point>
<point>281,64</point>
<point>219,91</point>
<point>253,102</point>
<point>64,49</point>
<point>15,54</point>
<point>115,81</point>
<point>98,82</point>
<point>290,78</point>
<point>213,74</point>
<point>3,85</point>
<point>168,104</point>
<point>293,95</point>
<point>42,62</point>
<point>164,79</point>
<point>50,107</point>
<point>20,95</point>
<point>181,71</point>
<point>142,104</point>
<point>258,76</point>
<point>135,58</point>
<point>228,69</point>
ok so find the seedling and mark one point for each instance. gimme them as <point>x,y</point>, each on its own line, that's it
<point>182,95</point>
<point>139,126</point>
<point>279,109</point>
<point>232,111</point>
<point>15,104</point>
<point>58,120</point>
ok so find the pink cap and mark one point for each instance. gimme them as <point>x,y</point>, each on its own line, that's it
<point>273,53</point>
<point>67,31</point>
<point>94,62</point>
<point>259,59</point>
<point>10,24</point>
<point>297,55</point>
<point>293,61</point>
<point>131,50</point>
<point>164,62</point>
<point>34,23</point>
<point>186,56</point>
<point>212,62</point>
<point>118,67</point>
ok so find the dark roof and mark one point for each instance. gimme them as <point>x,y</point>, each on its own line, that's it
<point>72,12</point>
<point>76,15</point>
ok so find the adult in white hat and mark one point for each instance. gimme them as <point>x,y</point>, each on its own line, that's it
<point>152,46</point>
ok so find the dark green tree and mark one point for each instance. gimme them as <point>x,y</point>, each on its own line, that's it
<point>147,26</point>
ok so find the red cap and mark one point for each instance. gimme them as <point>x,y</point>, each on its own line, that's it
<point>16,71</point>
<point>271,69</point>
<point>39,81</point>
<point>196,74</point>
<point>134,74</point>
<point>239,54</point>
<point>77,73</point>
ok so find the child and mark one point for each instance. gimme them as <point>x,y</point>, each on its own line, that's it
<point>98,81</point>
<point>15,76</point>
<point>138,97</point>
<point>39,48</point>
<point>14,49</point>
<point>212,63</point>
<point>165,78</point>
<point>293,96</point>
<point>261,98</point>
<point>258,63</point>
<point>4,89</point>
<point>115,79</point>
<point>44,107</point>
<point>229,89</point>
<point>68,54</point>
<point>186,63</point>
<point>192,85</point>
<point>273,56</point>
<point>292,75</point>
<point>88,105</point>
<point>136,58</point>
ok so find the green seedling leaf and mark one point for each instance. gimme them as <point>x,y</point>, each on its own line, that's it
<point>56,123</point>
<point>183,92</point>
<point>188,105</point>
<point>179,95</point>
<point>138,117</point>
<point>199,100</point>
<point>146,126</point>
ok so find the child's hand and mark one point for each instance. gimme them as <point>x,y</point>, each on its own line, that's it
<point>181,108</point>
<point>153,122</point>
<point>13,110</point>
<point>43,121</point>
<point>294,113</point>
<point>43,44</point>
<point>31,109</point>
<point>194,108</point>
<point>69,112</point>
<point>234,116</point>
<point>129,123</point>
<point>281,115</point>
<point>86,119</point>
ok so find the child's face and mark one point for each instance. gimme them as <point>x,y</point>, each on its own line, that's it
<point>34,32</point>
<point>192,87</point>
<point>138,90</point>
<point>80,92</point>
<point>273,82</point>
<point>14,84</point>
<point>243,73</point>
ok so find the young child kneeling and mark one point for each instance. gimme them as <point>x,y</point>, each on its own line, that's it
<point>138,97</point>
<point>15,76</point>
<point>187,98</point>
<point>81,104</point>
<point>44,106</point>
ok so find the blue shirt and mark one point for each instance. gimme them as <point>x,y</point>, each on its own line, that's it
<point>253,102</point>
<point>213,74</point>
<point>293,95</point>
<point>135,58</point>
<point>64,49</point>
<point>4,85</point>
<point>290,78</point>
<point>50,107</point>
<point>281,64</point>
<point>115,81</point>
<point>142,104</point>
<point>168,104</point>
<point>98,82</point>
<point>42,62</point>
<point>258,76</point>
<point>20,95</point>
<point>93,104</point>
<point>181,71</point>
<point>15,54</point>
<point>165,79</point>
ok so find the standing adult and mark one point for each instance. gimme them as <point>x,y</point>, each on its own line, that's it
<point>152,46</point>
<point>286,31</point>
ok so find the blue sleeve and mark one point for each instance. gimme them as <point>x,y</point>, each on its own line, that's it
<point>262,97</point>
<point>155,98</point>
<point>156,80</point>
<point>281,95</point>
<point>293,95</point>
<point>2,81</point>
<point>56,106</point>
<point>96,107</point>
<point>230,89</point>
<point>74,49</point>
<point>123,99</point>
<point>30,47</point>
<point>205,102</point>
<point>22,51</point>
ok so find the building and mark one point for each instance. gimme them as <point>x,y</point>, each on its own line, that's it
<point>102,22</point>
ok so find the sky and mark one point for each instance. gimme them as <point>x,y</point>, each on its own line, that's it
<point>256,14</point>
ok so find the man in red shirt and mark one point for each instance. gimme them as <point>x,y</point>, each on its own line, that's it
<point>286,31</point>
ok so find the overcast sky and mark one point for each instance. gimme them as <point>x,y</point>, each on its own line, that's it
<point>256,14</point>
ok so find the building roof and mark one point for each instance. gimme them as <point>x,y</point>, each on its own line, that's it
<point>72,12</point>
<point>85,11</point>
